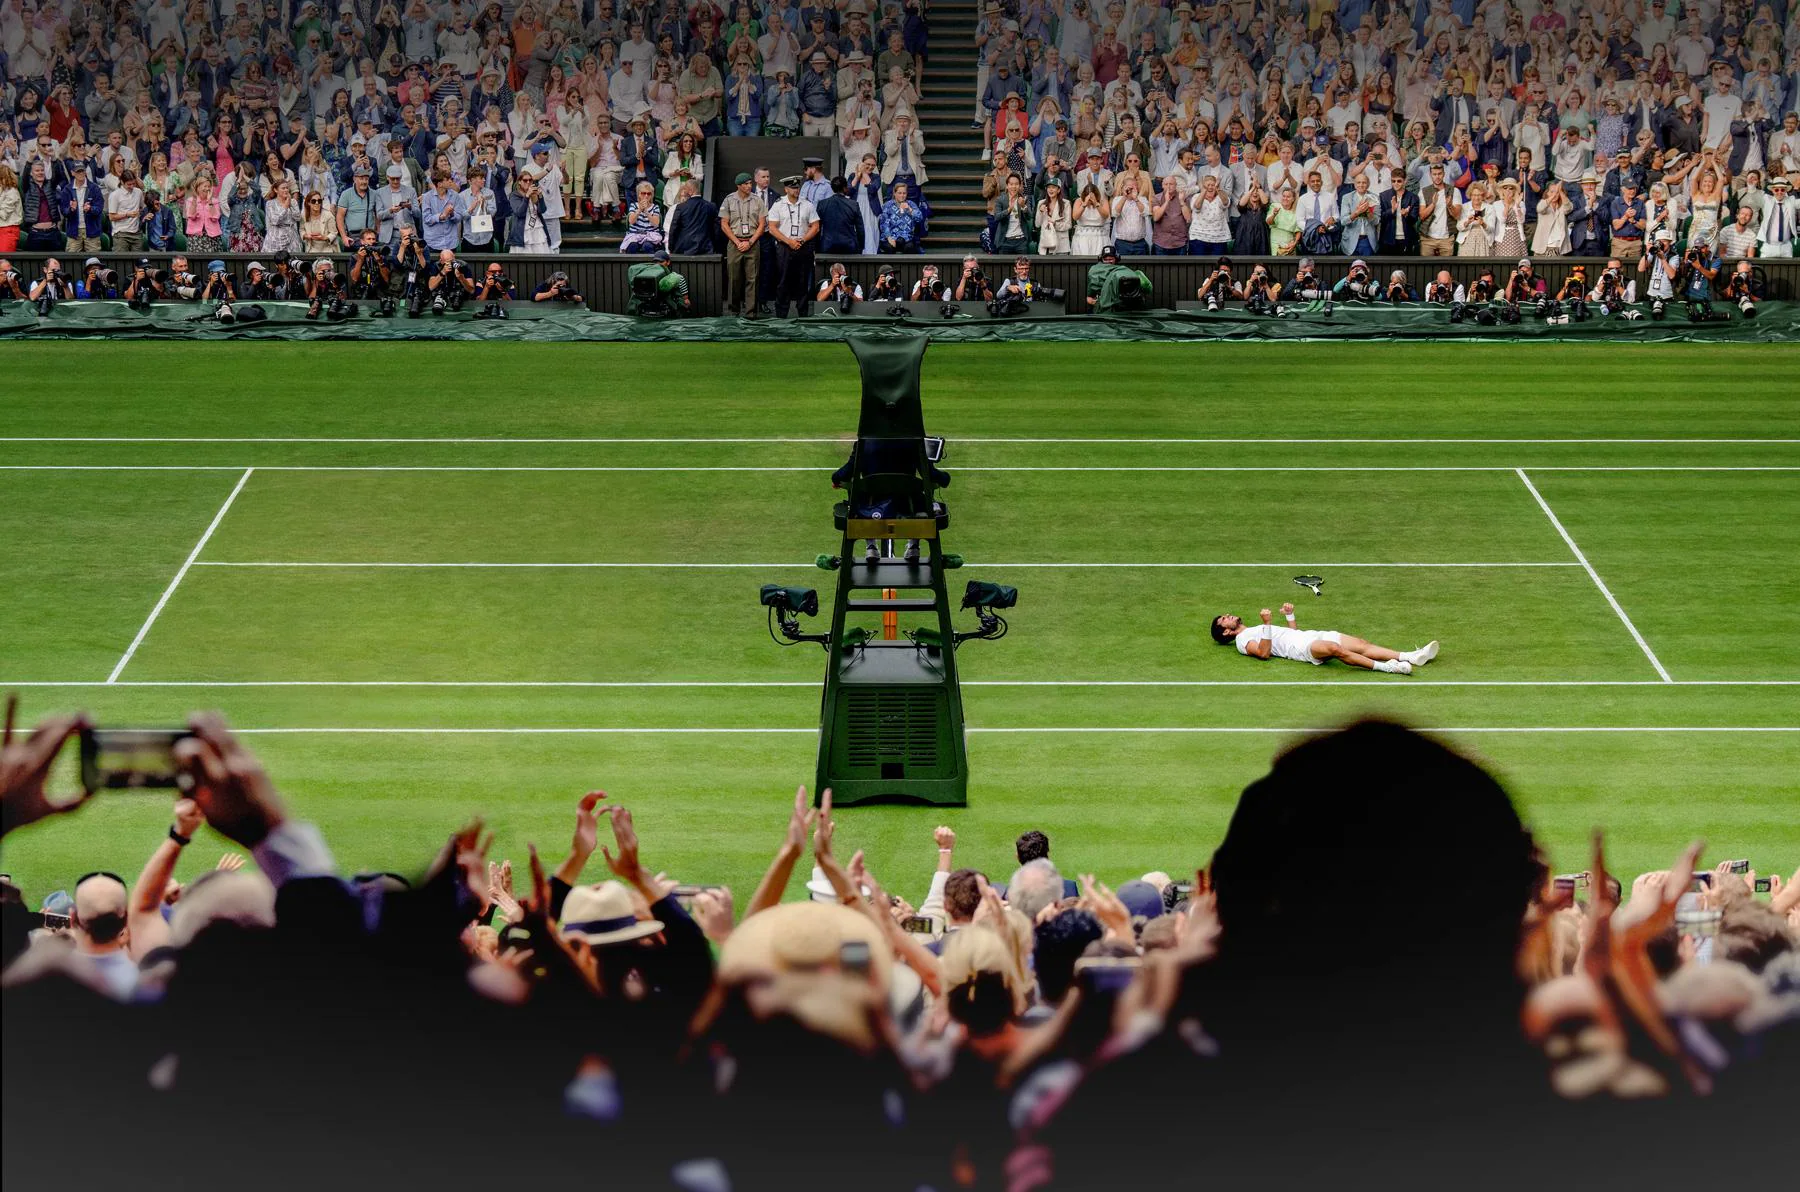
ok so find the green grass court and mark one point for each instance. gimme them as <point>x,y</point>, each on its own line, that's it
<point>555,549</point>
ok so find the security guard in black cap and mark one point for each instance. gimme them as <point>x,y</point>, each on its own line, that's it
<point>794,224</point>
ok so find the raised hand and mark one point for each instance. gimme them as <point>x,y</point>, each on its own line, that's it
<point>945,837</point>
<point>712,910</point>
<point>626,865</point>
<point>230,785</point>
<point>230,862</point>
<point>800,822</point>
<point>188,818</point>
<point>822,828</point>
<point>587,824</point>
<point>24,765</point>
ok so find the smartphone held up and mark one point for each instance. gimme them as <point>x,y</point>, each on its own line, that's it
<point>132,759</point>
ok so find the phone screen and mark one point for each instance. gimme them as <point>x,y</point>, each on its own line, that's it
<point>132,759</point>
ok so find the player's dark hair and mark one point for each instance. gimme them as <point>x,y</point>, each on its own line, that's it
<point>1031,846</point>
<point>1218,630</point>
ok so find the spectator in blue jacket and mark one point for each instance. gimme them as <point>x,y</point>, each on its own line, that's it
<point>743,101</point>
<point>818,98</point>
<point>82,207</point>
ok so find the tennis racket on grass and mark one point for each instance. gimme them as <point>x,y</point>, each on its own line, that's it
<point>1315,582</point>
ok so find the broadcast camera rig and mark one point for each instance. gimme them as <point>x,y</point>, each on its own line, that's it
<point>891,719</point>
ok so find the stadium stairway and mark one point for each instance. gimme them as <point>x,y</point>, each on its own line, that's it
<point>952,148</point>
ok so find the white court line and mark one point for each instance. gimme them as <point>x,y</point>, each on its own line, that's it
<point>633,684</point>
<point>493,441</point>
<point>179,575</point>
<point>1595,576</point>
<point>1080,468</point>
<point>793,566</point>
<point>763,730</point>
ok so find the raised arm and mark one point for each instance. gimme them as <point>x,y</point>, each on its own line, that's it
<point>1260,648</point>
<point>143,914</point>
<point>774,882</point>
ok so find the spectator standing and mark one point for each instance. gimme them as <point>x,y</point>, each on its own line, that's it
<point>203,218</point>
<point>124,214</point>
<point>1781,217</point>
<point>481,209</point>
<point>442,214</point>
<point>12,209</point>
<point>1284,224</point>
<point>83,207</point>
<point>1055,219</point>
<point>1131,220</point>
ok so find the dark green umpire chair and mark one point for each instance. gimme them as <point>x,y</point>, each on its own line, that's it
<point>891,720</point>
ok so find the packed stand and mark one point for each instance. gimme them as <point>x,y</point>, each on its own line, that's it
<point>1469,128</point>
<point>289,130</point>
<point>1374,972</point>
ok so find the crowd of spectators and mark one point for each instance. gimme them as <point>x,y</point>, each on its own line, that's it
<point>1455,127</point>
<point>1374,973</point>
<point>286,129</point>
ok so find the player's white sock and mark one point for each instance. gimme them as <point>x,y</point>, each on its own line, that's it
<point>1397,666</point>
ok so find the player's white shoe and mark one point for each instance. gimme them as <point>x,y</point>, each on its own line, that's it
<point>1398,666</point>
<point>1423,654</point>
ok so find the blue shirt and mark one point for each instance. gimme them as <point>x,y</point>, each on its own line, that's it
<point>443,218</point>
<point>900,226</point>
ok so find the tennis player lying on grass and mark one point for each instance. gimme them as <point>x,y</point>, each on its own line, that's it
<point>1317,646</point>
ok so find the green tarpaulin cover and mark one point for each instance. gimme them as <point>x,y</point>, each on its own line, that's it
<point>1777,322</point>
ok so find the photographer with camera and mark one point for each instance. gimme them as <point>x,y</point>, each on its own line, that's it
<point>413,269</point>
<point>1572,295</point>
<point>1015,295</point>
<point>495,285</point>
<point>1664,265</point>
<point>11,285</point>
<point>1743,289</point>
<point>328,292</point>
<point>1441,290</point>
<point>1262,292</point>
<point>96,281</point>
<point>887,286</point>
<point>179,283</point>
<point>289,280</point>
<point>219,286</point>
<point>1612,292</point>
<point>1306,283</point>
<point>1694,279</point>
<point>1525,285</point>
<point>973,285</point>
<point>557,287</point>
<point>839,289</point>
<point>1359,284</point>
<point>1220,286</point>
<point>451,283</point>
<point>370,269</point>
<point>930,287</point>
<point>260,285</point>
<point>50,288</point>
<point>1398,290</point>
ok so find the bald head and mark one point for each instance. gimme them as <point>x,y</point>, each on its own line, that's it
<point>99,920</point>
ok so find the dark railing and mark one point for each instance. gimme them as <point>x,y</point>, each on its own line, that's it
<point>601,278</point>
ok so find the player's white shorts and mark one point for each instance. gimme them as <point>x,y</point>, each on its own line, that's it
<point>1322,635</point>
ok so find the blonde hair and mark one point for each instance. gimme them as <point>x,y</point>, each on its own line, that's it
<point>977,951</point>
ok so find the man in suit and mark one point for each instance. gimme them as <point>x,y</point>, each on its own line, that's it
<point>1319,217</point>
<point>638,158</point>
<point>904,147</point>
<point>1360,212</point>
<point>768,277</point>
<point>840,223</point>
<point>693,226</point>
<point>1399,221</point>
<point>1780,220</point>
<point>1587,223</point>
<point>1452,108</point>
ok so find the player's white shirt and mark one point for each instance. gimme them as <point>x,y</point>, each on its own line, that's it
<point>1292,644</point>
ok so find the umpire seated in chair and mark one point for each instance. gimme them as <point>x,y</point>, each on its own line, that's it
<point>890,486</point>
